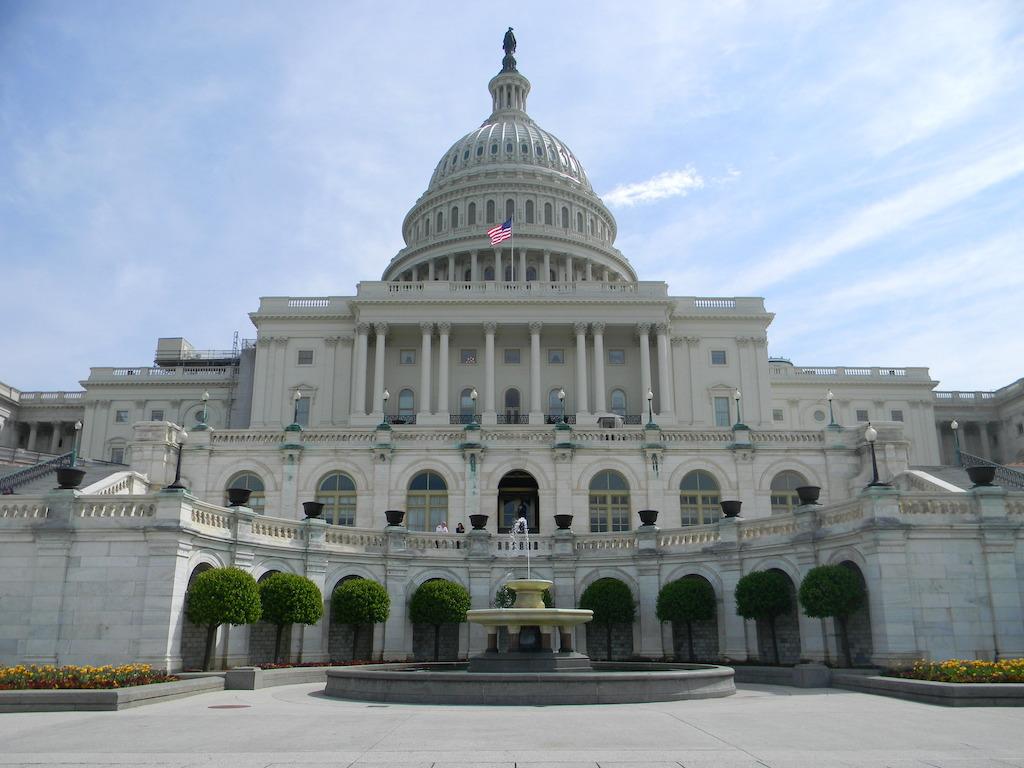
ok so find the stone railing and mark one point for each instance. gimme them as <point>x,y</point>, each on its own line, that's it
<point>210,516</point>
<point>688,538</point>
<point>186,373</point>
<point>791,436</point>
<point>140,506</point>
<point>946,397</point>
<point>33,510</point>
<point>275,528</point>
<point>588,542</point>
<point>935,504</point>
<point>436,542</point>
<point>840,514</point>
<point>762,527</point>
<point>696,436</point>
<point>51,398</point>
<point>843,372</point>
<point>354,539</point>
<point>484,289</point>
<point>537,544</point>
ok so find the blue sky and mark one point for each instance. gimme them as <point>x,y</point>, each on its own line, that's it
<point>860,165</point>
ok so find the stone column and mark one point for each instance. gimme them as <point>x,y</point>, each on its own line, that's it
<point>327,410</point>
<point>581,367</point>
<point>522,265</point>
<point>664,371</point>
<point>451,267</point>
<point>490,328</point>
<point>474,275</point>
<point>599,402</point>
<point>444,329</point>
<point>590,270</point>
<point>643,330</point>
<point>547,266</point>
<point>381,330</point>
<point>536,406</point>
<point>649,627</point>
<point>430,270</point>
<point>33,427</point>
<point>986,446</point>
<point>568,268</point>
<point>499,273</point>
<point>55,436</point>
<point>359,382</point>
<point>427,329</point>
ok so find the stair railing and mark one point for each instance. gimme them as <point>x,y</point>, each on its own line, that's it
<point>22,476</point>
<point>1005,476</point>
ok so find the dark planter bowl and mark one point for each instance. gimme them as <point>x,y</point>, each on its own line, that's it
<point>479,522</point>
<point>648,516</point>
<point>69,477</point>
<point>313,509</point>
<point>394,516</point>
<point>731,507</point>
<point>808,494</point>
<point>238,497</point>
<point>564,522</point>
<point>981,476</point>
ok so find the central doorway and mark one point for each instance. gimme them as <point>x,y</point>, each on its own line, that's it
<point>517,497</point>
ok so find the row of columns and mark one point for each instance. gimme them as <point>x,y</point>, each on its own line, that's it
<point>565,271</point>
<point>57,430</point>
<point>490,329</point>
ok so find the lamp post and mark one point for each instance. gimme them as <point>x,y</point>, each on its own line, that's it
<point>831,414</point>
<point>871,434</point>
<point>561,400</point>
<point>955,426</point>
<point>737,396</point>
<point>206,399</point>
<point>384,397</point>
<point>650,407</point>
<point>176,485</point>
<point>74,444</point>
<point>473,395</point>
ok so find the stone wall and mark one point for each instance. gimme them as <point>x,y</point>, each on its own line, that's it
<point>597,642</point>
<point>339,642</point>
<point>705,641</point>
<point>423,642</point>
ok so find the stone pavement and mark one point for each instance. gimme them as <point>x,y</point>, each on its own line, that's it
<point>297,727</point>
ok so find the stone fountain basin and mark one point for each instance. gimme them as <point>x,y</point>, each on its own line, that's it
<point>529,617</point>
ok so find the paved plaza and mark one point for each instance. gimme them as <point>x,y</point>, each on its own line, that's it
<point>297,727</point>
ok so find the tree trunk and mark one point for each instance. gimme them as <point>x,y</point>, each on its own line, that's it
<point>845,639</point>
<point>775,641</point>
<point>211,632</point>
<point>689,638</point>
<point>355,640</point>
<point>277,643</point>
<point>437,642</point>
<point>609,641</point>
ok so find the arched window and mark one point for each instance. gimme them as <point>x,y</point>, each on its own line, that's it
<point>406,403</point>
<point>529,211</point>
<point>698,498</point>
<point>440,221</point>
<point>512,405</point>
<point>471,214</point>
<point>609,502</point>
<point>618,402</point>
<point>426,227</point>
<point>251,481</point>
<point>490,212</point>
<point>426,502</point>
<point>565,218</point>
<point>480,150</point>
<point>467,406</point>
<point>494,149</point>
<point>510,208</point>
<point>784,495</point>
<point>508,146</point>
<point>455,217</point>
<point>488,273</point>
<point>531,274</point>
<point>579,221</point>
<point>591,226</point>
<point>337,492</point>
<point>548,214</point>
<point>554,405</point>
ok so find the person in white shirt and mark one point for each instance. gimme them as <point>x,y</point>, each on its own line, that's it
<point>442,527</point>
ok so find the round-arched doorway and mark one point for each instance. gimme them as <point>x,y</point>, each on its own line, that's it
<point>518,497</point>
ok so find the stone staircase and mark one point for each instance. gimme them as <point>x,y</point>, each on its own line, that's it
<point>47,479</point>
<point>952,475</point>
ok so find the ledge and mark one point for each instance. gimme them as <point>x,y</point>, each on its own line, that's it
<point>105,700</point>
<point>930,692</point>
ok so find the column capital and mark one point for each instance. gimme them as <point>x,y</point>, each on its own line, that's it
<point>580,327</point>
<point>643,329</point>
<point>264,341</point>
<point>362,328</point>
<point>743,341</point>
<point>597,328</point>
<point>381,329</point>
<point>662,328</point>
<point>332,341</point>
<point>280,340</point>
<point>676,340</point>
<point>444,327</point>
<point>692,341</point>
<point>427,327</point>
<point>536,326</point>
<point>346,341</point>
<point>490,327</point>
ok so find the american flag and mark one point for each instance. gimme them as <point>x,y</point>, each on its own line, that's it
<point>501,233</point>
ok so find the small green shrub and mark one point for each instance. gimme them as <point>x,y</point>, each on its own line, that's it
<point>222,596</point>
<point>358,602</point>
<point>685,601</point>
<point>286,599</point>
<point>438,602</point>
<point>612,603</point>
<point>832,591</point>
<point>764,595</point>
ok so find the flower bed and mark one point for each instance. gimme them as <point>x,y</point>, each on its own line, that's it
<point>964,671</point>
<point>49,677</point>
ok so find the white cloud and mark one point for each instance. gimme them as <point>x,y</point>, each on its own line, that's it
<point>667,184</point>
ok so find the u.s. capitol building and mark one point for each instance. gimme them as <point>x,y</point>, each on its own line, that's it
<point>534,377</point>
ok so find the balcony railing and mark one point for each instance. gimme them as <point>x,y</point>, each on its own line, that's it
<point>400,419</point>
<point>513,418</point>
<point>554,418</point>
<point>873,372</point>
<point>464,418</point>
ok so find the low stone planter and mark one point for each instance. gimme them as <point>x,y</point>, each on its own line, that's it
<point>254,678</point>
<point>394,516</point>
<point>648,516</point>
<point>69,477</point>
<point>929,692</point>
<point>313,509</point>
<point>564,522</point>
<point>106,700</point>
<point>479,522</point>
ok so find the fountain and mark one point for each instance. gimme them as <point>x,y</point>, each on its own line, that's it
<point>533,670</point>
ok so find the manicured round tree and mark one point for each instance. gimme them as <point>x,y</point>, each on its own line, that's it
<point>438,602</point>
<point>832,591</point>
<point>612,603</point>
<point>358,602</point>
<point>685,601</point>
<point>289,599</point>
<point>764,595</point>
<point>222,596</point>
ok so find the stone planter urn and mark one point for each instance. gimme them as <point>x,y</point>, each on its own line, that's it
<point>479,522</point>
<point>982,477</point>
<point>648,516</point>
<point>238,497</point>
<point>313,509</point>
<point>394,516</point>
<point>731,507</point>
<point>808,494</point>
<point>69,477</point>
<point>564,522</point>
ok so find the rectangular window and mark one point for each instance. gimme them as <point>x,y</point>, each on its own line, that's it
<point>512,356</point>
<point>121,417</point>
<point>302,411</point>
<point>467,356</point>
<point>862,414</point>
<point>722,412</point>
<point>718,357</point>
<point>897,415</point>
<point>156,415</point>
<point>305,357</point>
<point>407,357</point>
<point>117,455</point>
<point>616,357</point>
<point>777,414</point>
<point>556,356</point>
